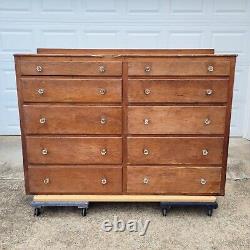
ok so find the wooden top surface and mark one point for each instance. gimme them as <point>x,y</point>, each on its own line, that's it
<point>116,53</point>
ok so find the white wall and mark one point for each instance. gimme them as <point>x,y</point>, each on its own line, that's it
<point>26,25</point>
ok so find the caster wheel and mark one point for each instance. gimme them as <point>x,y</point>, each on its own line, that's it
<point>210,212</point>
<point>164,212</point>
<point>84,212</point>
<point>37,211</point>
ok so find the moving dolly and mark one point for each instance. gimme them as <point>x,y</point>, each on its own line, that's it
<point>82,201</point>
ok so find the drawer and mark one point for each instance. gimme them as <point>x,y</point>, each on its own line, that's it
<point>175,150</point>
<point>180,67</point>
<point>57,68</point>
<point>61,179</point>
<point>178,90</point>
<point>173,180</point>
<point>74,150</point>
<point>176,120</point>
<point>71,90</point>
<point>72,119</point>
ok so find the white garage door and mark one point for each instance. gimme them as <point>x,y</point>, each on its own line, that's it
<point>26,25</point>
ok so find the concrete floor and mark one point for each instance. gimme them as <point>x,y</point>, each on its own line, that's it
<point>183,228</point>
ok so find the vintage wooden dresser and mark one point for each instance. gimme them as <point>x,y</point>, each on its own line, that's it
<point>125,121</point>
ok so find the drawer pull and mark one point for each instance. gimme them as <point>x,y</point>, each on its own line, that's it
<point>42,120</point>
<point>40,91</point>
<point>145,151</point>
<point>146,121</point>
<point>210,68</point>
<point>209,92</point>
<point>207,121</point>
<point>204,152</point>
<point>103,151</point>
<point>203,181</point>
<point>145,180</point>
<point>103,120</point>
<point>44,151</point>
<point>147,91</point>
<point>46,181</point>
<point>102,91</point>
<point>104,181</point>
<point>101,69</point>
<point>147,69</point>
<point>39,68</point>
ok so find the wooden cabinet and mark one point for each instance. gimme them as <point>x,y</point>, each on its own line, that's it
<point>125,121</point>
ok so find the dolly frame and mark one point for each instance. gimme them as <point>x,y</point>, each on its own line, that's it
<point>39,205</point>
<point>166,206</point>
<point>82,201</point>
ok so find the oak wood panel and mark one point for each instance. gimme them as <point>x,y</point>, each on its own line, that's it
<point>74,150</point>
<point>175,150</point>
<point>124,198</point>
<point>176,119</point>
<point>146,52</point>
<point>178,90</point>
<point>71,90</point>
<point>80,68</point>
<point>173,180</point>
<point>75,179</point>
<point>180,67</point>
<point>72,119</point>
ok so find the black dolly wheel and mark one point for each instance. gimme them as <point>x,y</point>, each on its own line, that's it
<point>210,212</point>
<point>37,211</point>
<point>84,212</point>
<point>164,212</point>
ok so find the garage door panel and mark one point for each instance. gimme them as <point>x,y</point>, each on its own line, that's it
<point>26,25</point>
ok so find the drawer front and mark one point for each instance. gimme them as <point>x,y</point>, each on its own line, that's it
<point>173,180</point>
<point>180,67</point>
<point>61,179</point>
<point>74,150</point>
<point>178,90</point>
<point>175,150</point>
<point>71,90</point>
<point>87,68</point>
<point>177,120</point>
<point>72,119</point>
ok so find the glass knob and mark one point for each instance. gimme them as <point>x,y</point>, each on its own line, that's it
<point>145,180</point>
<point>104,181</point>
<point>103,120</point>
<point>39,68</point>
<point>147,69</point>
<point>146,121</point>
<point>104,151</point>
<point>204,152</point>
<point>101,69</point>
<point>40,91</point>
<point>203,181</point>
<point>42,120</point>
<point>210,68</point>
<point>145,151</point>
<point>44,151</point>
<point>147,91</point>
<point>102,91</point>
<point>207,121</point>
<point>209,92</point>
<point>46,181</point>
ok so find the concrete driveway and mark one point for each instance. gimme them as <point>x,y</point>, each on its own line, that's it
<point>183,228</point>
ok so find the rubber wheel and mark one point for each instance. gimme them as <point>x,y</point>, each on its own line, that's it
<point>164,212</point>
<point>84,212</point>
<point>37,211</point>
<point>210,212</point>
